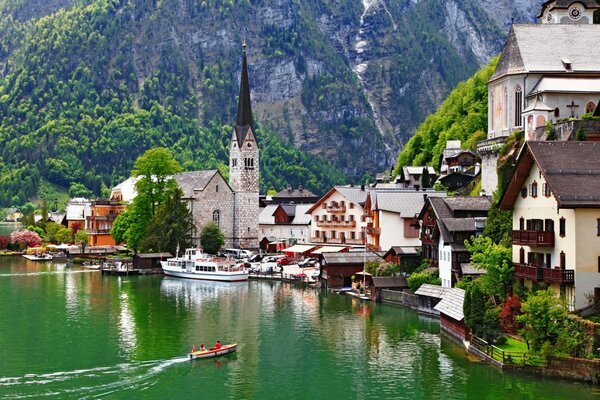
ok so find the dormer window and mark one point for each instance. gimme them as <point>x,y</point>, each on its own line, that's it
<point>567,64</point>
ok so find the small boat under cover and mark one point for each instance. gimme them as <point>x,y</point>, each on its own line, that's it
<point>212,352</point>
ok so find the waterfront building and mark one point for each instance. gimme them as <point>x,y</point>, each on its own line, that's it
<point>337,269</point>
<point>445,225</point>
<point>99,222</point>
<point>554,196</point>
<point>285,222</point>
<point>546,72</point>
<point>77,210</point>
<point>393,217</point>
<point>339,217</point>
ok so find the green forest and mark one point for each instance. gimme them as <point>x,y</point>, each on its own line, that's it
<point>74,112</point>
<point>462,116</point>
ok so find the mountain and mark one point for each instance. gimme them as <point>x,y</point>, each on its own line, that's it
<point>87,85</point>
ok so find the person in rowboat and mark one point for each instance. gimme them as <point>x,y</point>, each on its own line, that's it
<point>193,348</point>
<point>218,345</point>
<point>202,348</point>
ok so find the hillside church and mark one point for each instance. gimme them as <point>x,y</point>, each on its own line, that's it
<point>546,72</point>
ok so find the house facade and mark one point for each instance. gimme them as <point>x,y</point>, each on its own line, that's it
<point>339,217</point>
<point>393,217</point>
<point>555,199</point>
<point>445,225</point>
<point>288,223</point>
<point>546,72</point>
<point>103,212</point>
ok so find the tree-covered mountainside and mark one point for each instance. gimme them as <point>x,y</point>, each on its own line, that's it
<point>462,116</point>
<point>87,85</point>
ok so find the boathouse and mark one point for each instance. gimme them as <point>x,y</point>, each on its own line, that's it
<point>337,268</point>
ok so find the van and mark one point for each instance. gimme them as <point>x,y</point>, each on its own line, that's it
<point>237,253</point>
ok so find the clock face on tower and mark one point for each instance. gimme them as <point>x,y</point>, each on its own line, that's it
<point>575,13</point>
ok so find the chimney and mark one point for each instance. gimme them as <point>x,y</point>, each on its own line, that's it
<point>425,196</point>
<point>300,188</point>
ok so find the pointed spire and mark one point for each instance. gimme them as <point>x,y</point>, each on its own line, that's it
<point>244,111</point>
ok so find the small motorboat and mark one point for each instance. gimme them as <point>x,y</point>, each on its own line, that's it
<point>212,352</point>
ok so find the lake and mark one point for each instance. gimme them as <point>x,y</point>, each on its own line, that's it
<point>71,333</point>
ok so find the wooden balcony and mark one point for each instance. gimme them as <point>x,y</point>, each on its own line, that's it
<point>533,238</point>
<point>374,231</point>
<point>336,209</point>
<point>336,224</point>
<point>543,274</point>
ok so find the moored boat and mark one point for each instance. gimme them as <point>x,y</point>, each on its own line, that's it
<point>196,265</point>
<point>208,353</point>
<point>38,257</point>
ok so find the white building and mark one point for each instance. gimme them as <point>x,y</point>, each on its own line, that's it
<point>555,199</point>
<point>288,222</point>
<point>547,72</point>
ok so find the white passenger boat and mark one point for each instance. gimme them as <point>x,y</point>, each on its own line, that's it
<point>197,265</point>
<point>38,257</point>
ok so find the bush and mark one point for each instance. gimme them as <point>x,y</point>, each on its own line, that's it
<point>419,278</point>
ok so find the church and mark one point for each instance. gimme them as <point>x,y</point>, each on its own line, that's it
<point>547,72</point>
<point>233,205</point>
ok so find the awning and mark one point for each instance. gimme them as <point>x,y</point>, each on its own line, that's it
<point>299,248</point>
<point>329,249</point>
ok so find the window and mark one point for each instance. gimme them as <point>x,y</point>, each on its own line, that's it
<point>316,218</point>
<point>492,109</point>
<point>557,112</point>
<point>590,107</point>
<point>217,188</point>
<point>505,111</point>
<point>562,227</point>
<point>546,190</point>
<point>524,192</point>
<point>598,227</point>
<point>521,256</point>
<point>563,260</point>
<point>518,105</point>
<point>521,224</point>
<point>234,162</point>
<point>324,206</point>
<point>533,189</point>
<point>351,205</point>
<point>217,217</point>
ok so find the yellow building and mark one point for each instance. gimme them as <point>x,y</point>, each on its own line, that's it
<point>554,195</point>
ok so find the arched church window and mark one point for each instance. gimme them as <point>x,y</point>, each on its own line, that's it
<point>518,105</point>
<point>217,217</point>
<point>590,107</point>
<point>234,162</point>
<point>557,112</point>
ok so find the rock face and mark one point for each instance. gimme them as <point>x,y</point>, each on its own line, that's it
<point>350,80</point>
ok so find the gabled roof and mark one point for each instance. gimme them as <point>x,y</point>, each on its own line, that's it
<point>349,258</point>
<point>468,203</point>
<point>354,194</point>
<point>294,193</point>
<point>407,203</point>
<point>543,47</point>
<point>538,105</point>
<point>196,180</point>
<point>429,290</point>
<point>289,209</point>
<point>298,213</point>
<point>452,303</point>
<point>389,282</point>
<point>417,170</point>
<point>403,250</point>
<point>571,169</point>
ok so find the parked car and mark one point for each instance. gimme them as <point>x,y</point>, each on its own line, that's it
<point>284,261</point>
<point>308,262</point>
<point>315,275</point>
<point>268,259</point>
<point>255,258</point>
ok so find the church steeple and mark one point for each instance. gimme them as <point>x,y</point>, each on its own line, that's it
<point>243,120</point>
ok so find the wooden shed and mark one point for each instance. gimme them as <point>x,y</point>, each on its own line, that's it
<point>149,261</point>
<point>337,268</point>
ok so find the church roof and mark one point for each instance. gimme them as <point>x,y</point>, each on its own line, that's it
<point>194,180</point>
<point>243,121</point>
<point>567,85</point>
<point>538,105</point>
<point>544,48</point>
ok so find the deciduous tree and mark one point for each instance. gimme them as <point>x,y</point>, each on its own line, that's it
<point>211,238</point>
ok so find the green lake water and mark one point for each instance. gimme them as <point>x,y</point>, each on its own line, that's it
<point>69,333</point>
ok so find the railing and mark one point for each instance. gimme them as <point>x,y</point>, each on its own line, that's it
<point>341,224</point>
<point>99,231</point>
<point>318,240</point>
<point>336,209</point>
<point>543,274</point>
<point>106,217</point>
<point>533,238</point>
<point>507,357</point>
<point>354,241</point>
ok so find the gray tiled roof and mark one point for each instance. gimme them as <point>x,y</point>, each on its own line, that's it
<point>469,203</point>
<point>355,194</point>
<point>389,282</point>
<point>289,192</point>
<point>349,258</point>
<point>407,203</point>
<point>460,224</point>
<point>429,290</point>
<point>541,48</point>
<point>266,214</point>
<point>195,180</point>
<point>452,303</point>
<point>572,169</point>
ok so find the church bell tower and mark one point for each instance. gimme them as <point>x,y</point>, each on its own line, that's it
<point>244,168</point>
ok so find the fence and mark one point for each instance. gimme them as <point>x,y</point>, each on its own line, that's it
<point>517,358</point>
